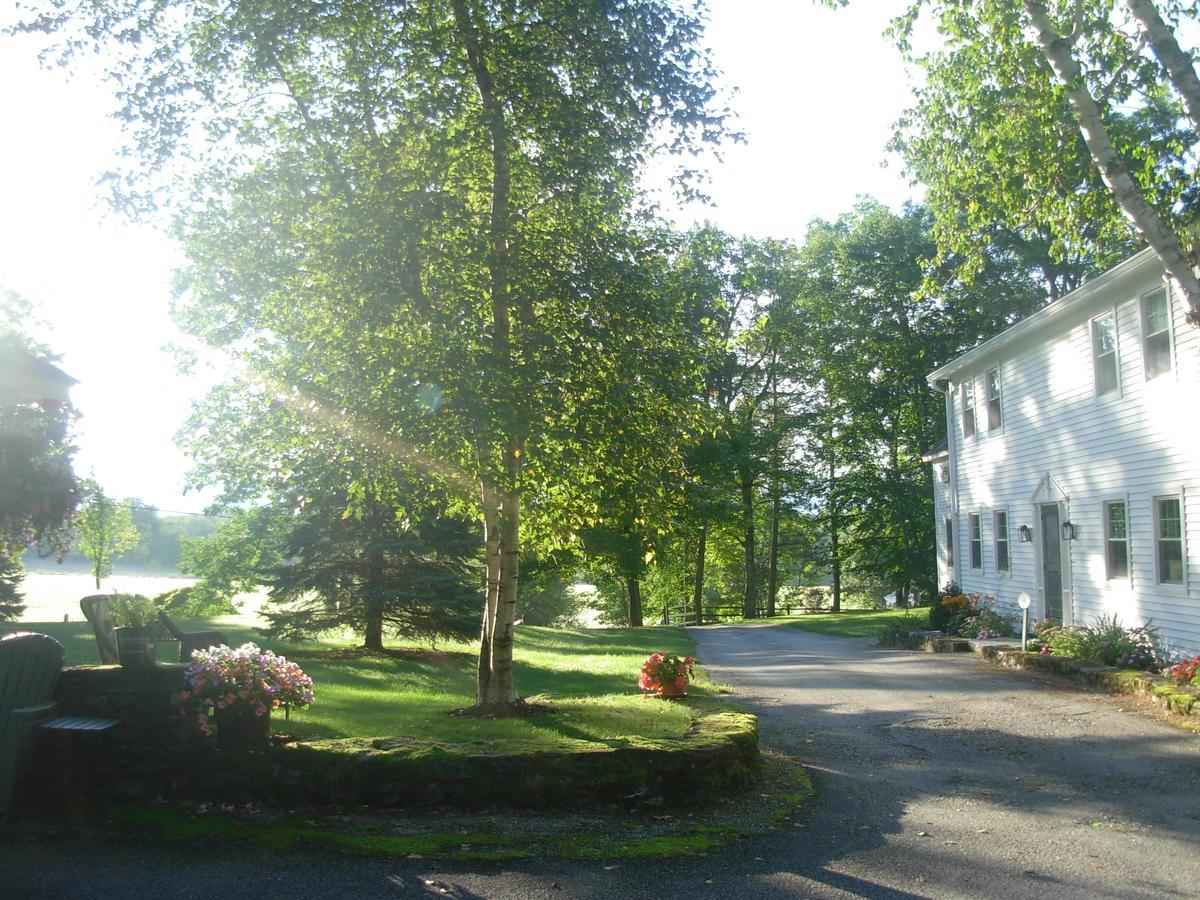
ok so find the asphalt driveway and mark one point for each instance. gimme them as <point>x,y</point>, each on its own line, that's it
<point>937,776</point>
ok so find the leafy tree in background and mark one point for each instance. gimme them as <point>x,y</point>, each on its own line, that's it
<point>870,332</point>
<point>415,212</point>
<point>11,599</point>
<point>104,529</point>
<point>1049,125</point>
<point>39,492</point>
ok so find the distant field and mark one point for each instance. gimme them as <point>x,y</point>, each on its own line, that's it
<point>49,596</point>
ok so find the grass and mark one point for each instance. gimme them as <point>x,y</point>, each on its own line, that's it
<point>857,623</point>
<point>590,677</point>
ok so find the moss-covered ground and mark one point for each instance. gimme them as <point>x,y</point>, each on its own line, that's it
<point>774,803</point>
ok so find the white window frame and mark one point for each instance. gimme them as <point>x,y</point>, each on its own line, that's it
<point>1116,354</point>
<point>1182,584</point>
<point>1170,329</point>
<point>1108,539</point>
<point>974,526</point>
<point>999,400</point>
<point>1001,536</point>
<point>968,393</point>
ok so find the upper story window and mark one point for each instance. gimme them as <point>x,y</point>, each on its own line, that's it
<point>1104,353</point>
<point>995,421</point>
<point>1168,539</point>
<point>968,399</point>
<point>1000,526</point>
<point>1116,541</point>
<point>976,536</point>
<point>1156,333</point>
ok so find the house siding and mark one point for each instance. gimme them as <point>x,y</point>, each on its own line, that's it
<point>1060,442</point>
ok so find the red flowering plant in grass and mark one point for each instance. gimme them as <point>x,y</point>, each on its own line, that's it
<point>666,673</point>
<point>1185,672</point>
<point>246,680</point>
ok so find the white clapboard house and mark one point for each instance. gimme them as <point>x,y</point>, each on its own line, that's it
<point>1071,468</point>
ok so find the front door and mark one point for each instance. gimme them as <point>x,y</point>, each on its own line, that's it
<point>1052,561</point>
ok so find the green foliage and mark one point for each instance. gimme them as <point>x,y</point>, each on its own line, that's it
<point>104,530</point>
<point>1105,641</point>
<point>11,575</point>
<point>548,598</point>
<point>993,137</point>
<point>233,560</point>
<point>878,316</point>
<point>38,490</point>
<point>406,572</point>
<point>132,610</point>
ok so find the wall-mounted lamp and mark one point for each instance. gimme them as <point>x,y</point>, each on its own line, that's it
<point>1024,534</point>
<point>1068,530</point>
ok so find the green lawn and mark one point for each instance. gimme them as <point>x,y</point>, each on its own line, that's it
<point>856,622</point>
<point>590,676</point>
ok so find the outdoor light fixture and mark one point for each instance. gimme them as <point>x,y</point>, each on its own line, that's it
<point>1068,529</point>
<point>1024,534</point>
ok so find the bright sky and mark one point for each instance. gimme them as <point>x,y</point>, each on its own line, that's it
<point>818,91</point>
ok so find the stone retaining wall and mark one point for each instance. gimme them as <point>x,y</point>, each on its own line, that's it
<point>155,753</point>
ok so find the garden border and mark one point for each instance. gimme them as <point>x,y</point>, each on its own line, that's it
<point>1180,701</point>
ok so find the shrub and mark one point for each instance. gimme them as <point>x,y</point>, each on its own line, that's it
<point>1106,641</point>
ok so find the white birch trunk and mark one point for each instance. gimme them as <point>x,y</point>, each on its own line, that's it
<point>1112,167</point>
<point>1177,63</point>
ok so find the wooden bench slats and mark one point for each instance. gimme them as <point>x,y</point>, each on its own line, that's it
<point>79,723</point>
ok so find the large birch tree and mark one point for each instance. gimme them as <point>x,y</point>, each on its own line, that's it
<point>403,212</point>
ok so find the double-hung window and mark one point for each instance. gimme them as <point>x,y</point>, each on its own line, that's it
<point>1168,539</point>
<point>1104,354</point>
<point>950,542</point>
<point>968,400</point>
<point>1156,333</point>
<point>1116,540</point>
<point>1000,527</point>
<point>995,418</point>
<point>976,537</point>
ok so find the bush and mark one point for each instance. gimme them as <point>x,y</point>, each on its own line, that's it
<point>968,615</point>
<point>1106,641</point>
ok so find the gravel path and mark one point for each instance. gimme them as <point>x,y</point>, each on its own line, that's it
<point>937,776</point>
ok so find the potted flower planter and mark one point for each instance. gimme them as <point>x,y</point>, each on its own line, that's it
<point>135,646</point>
<point>238,728</point>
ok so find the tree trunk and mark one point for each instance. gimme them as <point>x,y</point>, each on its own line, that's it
<point>773,558</point>
<point>750,606</point>
<point>1113,169</point>
<point>835,557</point>
<point>373,603</point>
<point>491,542</point>
<point>1177,63</point>
<point>698,586</point>
<point>497,694</point>
<point>633,593</point>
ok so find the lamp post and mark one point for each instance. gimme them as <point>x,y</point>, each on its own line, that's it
<point>1023,601</point>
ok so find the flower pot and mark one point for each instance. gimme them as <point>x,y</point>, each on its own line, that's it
<point>670,689</point>
<point>238,728</point>
<point>135,647</point>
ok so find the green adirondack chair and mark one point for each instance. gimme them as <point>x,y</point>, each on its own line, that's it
<point>29,667</point>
